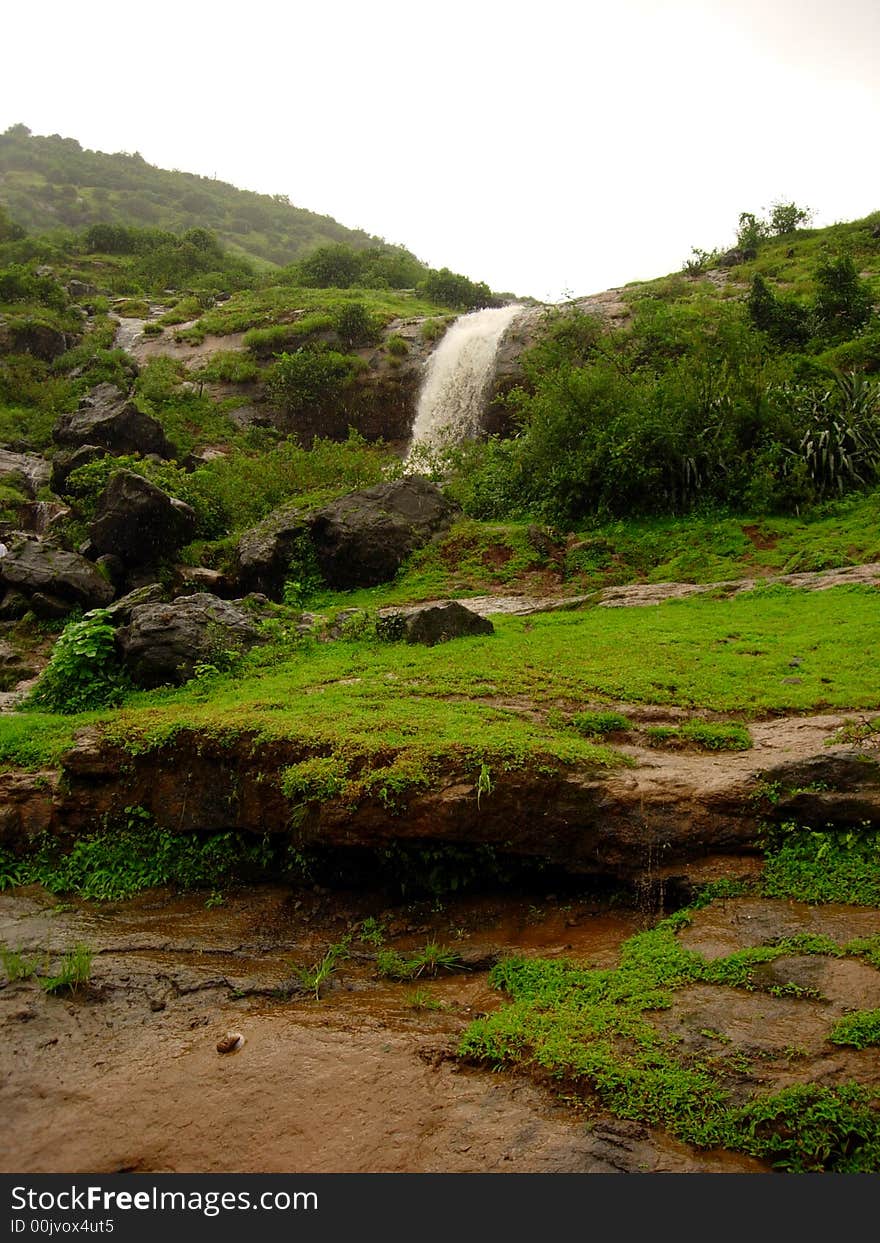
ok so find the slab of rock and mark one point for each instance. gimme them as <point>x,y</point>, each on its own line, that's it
<point>33,470</point>
<point>435,623</point>
<point>108,419</point>
<point>363,538</point>
<point>138,522</point>
<point>163,643</point>
<point>49,575</point>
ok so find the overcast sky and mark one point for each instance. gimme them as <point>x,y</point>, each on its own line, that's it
<point>548,148</point>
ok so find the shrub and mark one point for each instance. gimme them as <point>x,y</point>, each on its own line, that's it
<point>786,217</point>
<point>592,723</point>
<point>84,671</point>
<point>843,299</point>
<point>355,326</point>
<point>396,346</point>
<point>309,378</point>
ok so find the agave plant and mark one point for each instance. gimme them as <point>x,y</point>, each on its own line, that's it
<point>840,443</point>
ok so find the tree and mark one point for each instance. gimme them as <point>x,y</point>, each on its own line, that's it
<point>786,217</point>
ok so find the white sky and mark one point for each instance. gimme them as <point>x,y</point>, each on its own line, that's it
<point>548,148</point>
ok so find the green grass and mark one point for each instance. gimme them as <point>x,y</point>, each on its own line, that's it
<point>393,714</point>
<point>823,866</point>
<point>124,860</point>
<point>592,724</point>
<point>429,960</point>
<point>74,972</point>
<point>702,735</point>
<point>591,1032</point>
<point>260,308</point>
<point>16,966</point>
<point>859,1030</point>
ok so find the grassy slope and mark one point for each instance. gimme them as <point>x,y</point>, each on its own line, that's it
<point>411,705</point>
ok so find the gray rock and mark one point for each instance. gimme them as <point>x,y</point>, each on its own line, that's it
<point>32,470</point>
<point>435,623</point>
<point>120,610</point>
<point>66,461</point>
<point>264,552</point>
<point>363,538</point>
<point>77,290</point>
<point>38,340</point>
<point>164,642</point>
<point>39,567</point>
<point>138,522</point>
<point>108,419</point>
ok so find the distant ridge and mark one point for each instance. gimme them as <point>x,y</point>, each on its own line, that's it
<point>52,182</point>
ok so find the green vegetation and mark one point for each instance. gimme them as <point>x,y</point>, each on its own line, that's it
<point>600,723</point>
<point>591,1031</point>
<point>16,966</point>
<point>825,865</point>
<point>84,671</point>
<point>118,862</point>
<point>429,960</point>
<point>314,977</point>
<point>860,1030</point>
<point>74,972</point>
<point>704,735</point>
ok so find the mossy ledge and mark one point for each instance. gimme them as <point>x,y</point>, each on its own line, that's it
<point>610,818</point>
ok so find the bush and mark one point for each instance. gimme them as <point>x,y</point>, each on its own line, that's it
<point>843,300</point>
<point>84,671</point>
<point>355,326</point>
<point>309,379</point>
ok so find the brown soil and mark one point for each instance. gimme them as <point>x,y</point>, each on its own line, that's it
<point>127,1076</point>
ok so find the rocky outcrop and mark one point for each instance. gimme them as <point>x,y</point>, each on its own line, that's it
<point>138,522</point>
<point>31,337</point>
<point>358,541</point>
<point>163,643</point>
<point>108,419</point>
<point>362,539</point>
<point>662,817</point>
<point>53,579</point>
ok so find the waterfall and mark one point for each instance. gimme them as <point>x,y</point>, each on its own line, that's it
<point>459,374</point>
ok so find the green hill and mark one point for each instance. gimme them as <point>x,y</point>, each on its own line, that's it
<point>52,182</point>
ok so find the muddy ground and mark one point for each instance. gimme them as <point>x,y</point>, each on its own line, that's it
<point>126,1075</point>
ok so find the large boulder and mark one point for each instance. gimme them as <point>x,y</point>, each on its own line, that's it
<point>164,643</point>
<point>108,419</point>
<point>265,551</point>
<point>53,579</point>
<point>29,336</point>
<point>138,522</point>
<point>362,539</point>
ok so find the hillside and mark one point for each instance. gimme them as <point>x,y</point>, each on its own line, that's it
<point>52,182</point>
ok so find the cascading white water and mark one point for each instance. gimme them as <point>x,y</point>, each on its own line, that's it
<point>459,374</point>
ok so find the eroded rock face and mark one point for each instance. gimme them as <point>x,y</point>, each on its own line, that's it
<point>363,538</point>
<point>138,522</point>
<point>54,579</point>
<point>163,643</point>
<point>108,419</point>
